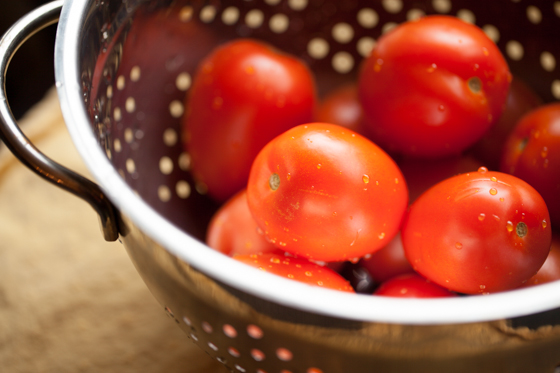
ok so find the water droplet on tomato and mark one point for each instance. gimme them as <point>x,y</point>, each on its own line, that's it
<point>544,152</point>
<point>509,226</point>
<point>288,176</point>
<point>482,170</point>
<point>334,213</point>
<point>308,273</point>
<point>481,216</point>
<point>544,224</point>
<point>493,191</point>
<point>365,179</point>
<point>493,178</point>
<point>381,235</point>
<point>319,166</point>
<point>458,245</point>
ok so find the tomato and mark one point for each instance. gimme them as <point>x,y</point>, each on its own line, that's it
<point>412,285</point>
<point>432,87</point>
<point>550,270</point>
<point>233,231</point>
<point>422,174</point>
<point>388,262</point>
<point>342,106</point>
<point>532,153</point>
<point>298,269</point>
<point>478,232</point>
<point>521,99</point>
<point>326,193</point>
<point>244,94</point>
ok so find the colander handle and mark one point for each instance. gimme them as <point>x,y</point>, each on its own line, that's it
<point>20,145</point>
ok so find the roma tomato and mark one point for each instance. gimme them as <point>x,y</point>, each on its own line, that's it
<point>244,94</point>
<point>521,100</point>
<point>550,270</point>
<point>233,231</point>
<point>532,153</point>
<point>326,193</point>
<point>412,285</point>
<point>388,262</point>
<point>298,269</point>
<point>342,106</point>
<point>479,232</point>
<point>432,87</point>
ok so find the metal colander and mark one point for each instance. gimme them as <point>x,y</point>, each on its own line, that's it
<point>122,99</point>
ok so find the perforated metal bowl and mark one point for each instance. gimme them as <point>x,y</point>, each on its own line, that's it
<point>122,108</point>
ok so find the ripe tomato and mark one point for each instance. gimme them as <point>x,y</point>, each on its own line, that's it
<point>532,153</point>
<point>412,285</point>
<point>298,269</point>
<point>432,87</point>
<point>550,270</point>
<point>326,193</point>
<point>388,262</point>
<point>521,100</point>
<point>233,231</point>
<point>479,232</point>
<point>244,94</point>
<point>342,106</point>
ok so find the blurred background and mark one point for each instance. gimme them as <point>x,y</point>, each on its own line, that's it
<point>31,72</point>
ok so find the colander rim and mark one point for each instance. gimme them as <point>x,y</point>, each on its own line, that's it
<point>286,292</point>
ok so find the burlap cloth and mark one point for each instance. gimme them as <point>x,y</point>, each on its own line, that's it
<point>69,301</point>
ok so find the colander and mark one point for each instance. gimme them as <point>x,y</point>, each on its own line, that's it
<point>122,101</point>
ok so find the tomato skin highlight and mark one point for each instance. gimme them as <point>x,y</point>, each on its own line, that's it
<point>432,87</point>
<point>479,232</point>
<point>297,269</point>
<point>532,153</point>
<point>338,196</point>
<point>243,95</point>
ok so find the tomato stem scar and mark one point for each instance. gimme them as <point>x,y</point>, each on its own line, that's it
<point>274,181</point>
<point>475,85</point>
<point>521,229</point>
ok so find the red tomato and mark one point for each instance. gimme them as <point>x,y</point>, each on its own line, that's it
<point>521,99</point>
<point>432,87</point>
<point>479,232</point>
<point>298,269</point>
<point>412,285</point>
<point>326,193</point>
<point>550,270</point>
<point>532,153</point>
<point>244,94</point>
<point>233,231</point>
<point>422,174</point>
<point>388,262</point>
<point>342,106</point>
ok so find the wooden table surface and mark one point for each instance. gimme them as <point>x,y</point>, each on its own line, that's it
<point>69,301</point>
